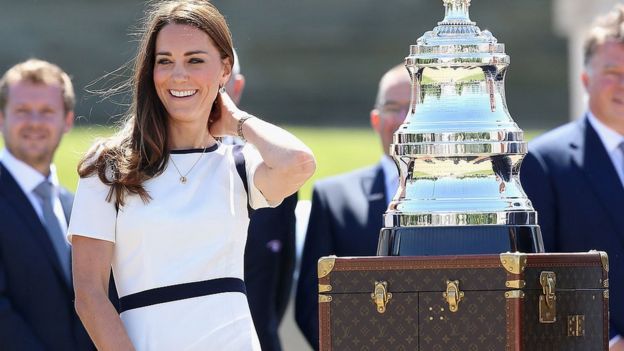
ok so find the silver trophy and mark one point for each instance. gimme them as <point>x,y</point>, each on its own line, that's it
<point>458,151</point>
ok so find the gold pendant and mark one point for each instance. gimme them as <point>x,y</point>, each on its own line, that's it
<point>183,179</point>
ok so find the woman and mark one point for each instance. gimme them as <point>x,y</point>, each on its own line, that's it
<point>167,205</point>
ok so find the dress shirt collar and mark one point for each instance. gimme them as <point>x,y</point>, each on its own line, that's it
<point>609,137</point>
<point>27,177</point>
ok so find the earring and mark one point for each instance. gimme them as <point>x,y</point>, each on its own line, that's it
<point>222,90</point>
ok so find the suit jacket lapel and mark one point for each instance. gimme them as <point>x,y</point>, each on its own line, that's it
<point>591,156</point>
<point>374,188</point>
<point>23,208</point>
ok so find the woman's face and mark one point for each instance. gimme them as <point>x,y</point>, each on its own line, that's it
<point>188,71</point>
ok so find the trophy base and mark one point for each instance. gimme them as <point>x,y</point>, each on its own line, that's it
<point>459,240</point>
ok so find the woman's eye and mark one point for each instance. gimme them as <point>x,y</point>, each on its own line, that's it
<point>163,61</point>
<point>196,60</point>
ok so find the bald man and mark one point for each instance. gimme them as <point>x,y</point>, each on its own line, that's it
<point>347,209</point>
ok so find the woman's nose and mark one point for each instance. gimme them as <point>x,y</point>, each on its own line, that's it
<point>179,73</point>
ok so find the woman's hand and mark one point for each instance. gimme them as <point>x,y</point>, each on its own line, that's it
<point>287,162</point>
<point>229,115</point>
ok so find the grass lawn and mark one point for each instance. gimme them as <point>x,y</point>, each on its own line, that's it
<point>337,150</point>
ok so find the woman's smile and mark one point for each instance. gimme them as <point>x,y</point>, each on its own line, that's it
<point>182,93</point>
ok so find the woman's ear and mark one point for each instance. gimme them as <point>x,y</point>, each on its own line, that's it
<point>227,70</point>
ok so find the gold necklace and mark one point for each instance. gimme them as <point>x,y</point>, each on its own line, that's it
<point>183,178</point>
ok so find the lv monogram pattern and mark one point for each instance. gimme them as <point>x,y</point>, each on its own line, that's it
<point>363,281</point>
<point>554,337</point>
<point>417,317</point>
<point>567,278</point>
<point>478,324</point>
<point>356,324</point>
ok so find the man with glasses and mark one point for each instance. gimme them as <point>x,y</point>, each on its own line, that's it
<point>347,209</point>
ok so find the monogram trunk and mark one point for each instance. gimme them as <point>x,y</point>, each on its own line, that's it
<point>511,301</point>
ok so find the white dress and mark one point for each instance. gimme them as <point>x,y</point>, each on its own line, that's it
<point>187,233</point>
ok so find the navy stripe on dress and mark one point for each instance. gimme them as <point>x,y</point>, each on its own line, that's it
<point>194,151</point>
<point>180,292</point>
<point>239,160</point>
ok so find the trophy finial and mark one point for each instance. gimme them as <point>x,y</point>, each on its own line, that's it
<point>456,2</point>
<point>456,10</point>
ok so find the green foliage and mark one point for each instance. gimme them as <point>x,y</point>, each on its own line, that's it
<point>337,150</point>
<point>72,148</point>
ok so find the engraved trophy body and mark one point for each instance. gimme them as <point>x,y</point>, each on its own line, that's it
<point>458,150</point>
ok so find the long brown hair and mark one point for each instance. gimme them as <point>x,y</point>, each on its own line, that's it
<point>139,152</point>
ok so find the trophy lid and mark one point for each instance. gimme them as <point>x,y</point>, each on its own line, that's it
<point>456,36</point>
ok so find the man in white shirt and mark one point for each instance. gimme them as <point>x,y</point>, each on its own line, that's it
<point>347,209</point>
<point>36,294</point>
<point>574,175</point>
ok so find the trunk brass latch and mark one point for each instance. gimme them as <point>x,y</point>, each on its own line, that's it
<point>453,295</point>
<point>381,296</point>
<point>547,301</point>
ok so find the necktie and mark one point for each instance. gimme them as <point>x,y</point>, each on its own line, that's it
<point>53,227</point>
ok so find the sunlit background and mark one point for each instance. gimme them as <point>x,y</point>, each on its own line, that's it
<point>311,66</point>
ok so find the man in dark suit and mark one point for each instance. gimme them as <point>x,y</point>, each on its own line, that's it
<point>36,294</point>
<point>574,175</point>
<point>269,253</point>
<point>347,209</point>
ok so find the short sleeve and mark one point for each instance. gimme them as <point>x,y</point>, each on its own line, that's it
<point>92,216</point>
<point>252,161</point>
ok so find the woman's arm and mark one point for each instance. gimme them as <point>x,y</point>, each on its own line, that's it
<point>288,163</point>
<point>91,263</point>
